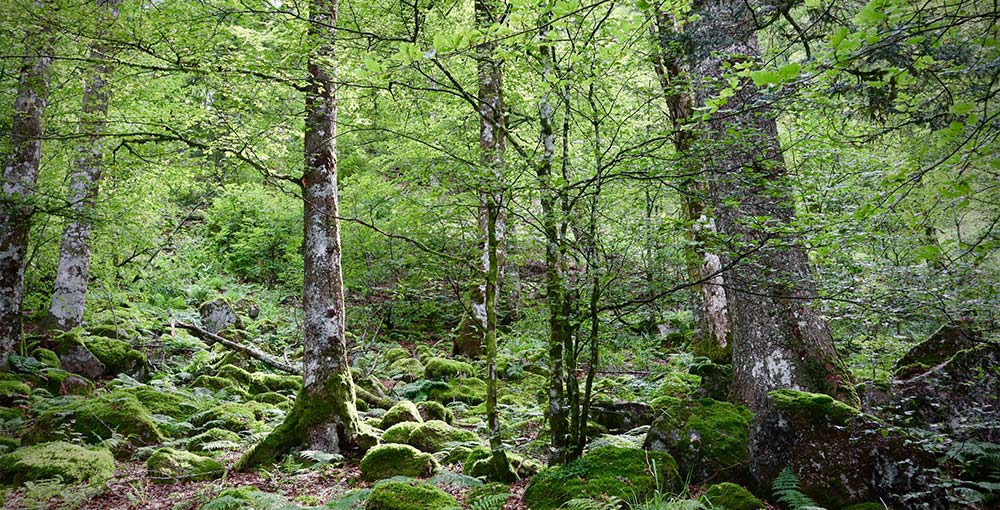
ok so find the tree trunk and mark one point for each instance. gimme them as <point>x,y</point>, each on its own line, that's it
<point>324,417</point>
<point>779,341</point>
<point>69,296</point>
<point>492,129</point>
<point>19,176</point>
<point>711,317</point>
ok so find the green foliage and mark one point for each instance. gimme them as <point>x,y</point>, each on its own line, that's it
<point>785,489</point>
<point>65,461</point>
<point>388,460</point>
<point>168,465</point>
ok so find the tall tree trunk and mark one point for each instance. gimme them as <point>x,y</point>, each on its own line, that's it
<point>70,294</point>
<point>711,324</point>
<point>20,174</point>
<point>324,417</point>
<point>779,341</point>
<point>492,144</point>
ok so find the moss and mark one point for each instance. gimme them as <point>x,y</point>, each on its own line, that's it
<point>388,460</point>
<point>13,389</point>
<point>162,401</point>
<point>407,369</point>
<point>68,461</point>
<point>677,385</point>
<point>198,442</point>
<point>60,382</point>
<point>481,463</point>
<point>434,436</point>
<point>217,383</point>
<point>625,473</point>
<point>711,349</point>
<point>96,419</point>
<point>397,353</point>
<point>231,416</point>
<point>248,498</point>
<point>261,382</point>
<point>47,357</point>
<point>117,356</point>
<point>273,398</point>
<point>706,437</point>
<point>815,407</point>
<point>731,497</point>
<point>432,410</point>
<point>10,413</point>
<point>400,432</point>
<point>9,444</point>
<point>411,495</point>
<point>469,390</point>
<point>400,412</point>
<point>865,506</point>
<point>168,465</point>
<point>446,369</point>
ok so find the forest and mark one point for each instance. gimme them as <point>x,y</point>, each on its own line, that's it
<point>500,254</point>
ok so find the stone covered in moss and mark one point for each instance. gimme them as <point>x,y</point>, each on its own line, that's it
<point>168,465</point>
<point>731,497</point>
<point>626,473</point>
<point>96,419</point>
<point>433,410</point>
<point>937,348</point>
<point>117,356</point>
<point>70,462</point>
<point>274,398</point>
<point>409,496</point>
<point>402,411</point>
<point>231,416</point>
<point>400,432</point>
<point>11,391</point>
<point>47,357</point>
<point>388,460</point>
<point>716,380</point>
<point>261,382</point>
<point>618,417</point>
<point>480,463</point>
<point>446,369</point>
<point>469,390</point>
<point>219,314</point>
<point>75,357</point>
<point>813,406</point>
<point>216,436</point>
<point>216,383</point>
<point>163,401</point>
<point>435,436</point>
<point>61,382</point>
<point>708,438</point>
<point>397,353</point>
<point>407,369</point>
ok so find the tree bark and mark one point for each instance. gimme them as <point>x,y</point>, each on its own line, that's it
<point>70,294</point>
<point>20,174</point>
<point>325,417</point>
<point>779,340</point>
<point>711,315</point>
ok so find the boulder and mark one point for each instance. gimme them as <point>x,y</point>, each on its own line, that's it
<point>400,432</point>
<point>435,436</point>
<point>626,473</point>
<point>468,390</point>
<point>70,462</point>
<point>75,357</point>
<point>406,369</point>
<point>411,495</point>
<point>432,410</point>
<point>839,455</point>
<point>445,369</point>
<point>716,380</point>
<point>480,463</point>
<point>219,314</point>
<point>620,416</point>
<point>937,348</point>
<point>98,418</point>
<point>731,497</point>
<point>706,437</point>
<point>400,412</point>
<point>388,460</point>
<point>168,465</point>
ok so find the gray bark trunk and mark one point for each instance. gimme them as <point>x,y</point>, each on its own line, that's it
<point>20,174</point>
<point>70,294</point>
<point>779,341</point>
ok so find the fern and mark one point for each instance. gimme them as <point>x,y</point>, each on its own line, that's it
<point>786,489</point>
<point>491,502</point>
<point>321,458</point>
<point>611,503</point>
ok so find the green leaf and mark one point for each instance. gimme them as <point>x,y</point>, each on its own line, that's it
<point>443,43</point>
<point>764,77</point>
<point>962,107</point>
<point>838,36</point>
<point>790,72</point>
<point>869,15</point>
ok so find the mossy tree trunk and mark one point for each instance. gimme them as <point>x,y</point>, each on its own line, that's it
<point>70,294</point>
<point>324,416</point>
<point>711,324</point>
<point>779,340</point>
<point>20,174</point>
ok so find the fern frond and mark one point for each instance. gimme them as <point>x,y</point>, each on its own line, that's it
<point>786,490</point>
<point>491,502</point>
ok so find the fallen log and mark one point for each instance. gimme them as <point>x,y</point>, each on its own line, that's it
<point>253,352</point>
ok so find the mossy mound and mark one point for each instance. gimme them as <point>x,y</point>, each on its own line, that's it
<point>731,497</point>
<point>216,383</point>
<point>435,436</point>
<point>400,412</point>
<point>400,432</point>
<point>396,353</point>
<point>274,398</point>
<point>60,382</point>
<point>216,438</point>
<point>813,407</point>
<point>261,382</point>
<point>118,356</point>
<point>163,401</point>
<point>388,460</point>
<point>407,369</point>
<point>11,391</point>
<point>716,380</point>
<point>469,390</point>
<point>444,369</point>
<point>231,416</point>
<point>70,462</point>
<point>712,349</point>
<point>96,419</point>
<point>480,463</point>
<point>168,465</point>
<point>937,348</point>
<point>409,496</point>
<point>433,410</point>
<point>708,438</point>
<point>47,357</point>
<point>625,473</point>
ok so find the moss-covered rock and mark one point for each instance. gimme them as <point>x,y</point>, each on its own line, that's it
<point>70,462</point>
<point>219,314</point>
<point>406,369</point>
<point>619,417</point>
<point>433,410</point>
<point>394,495</point>
<point>469,390</point>
<point>117,356</point>
<point>400,432</point>
<point>9,444</point>
<point>937,348</point>
<point>813,407</point>
<point>711,348</point>
<point>261,382</point>
<point>12,391</point>
<point>730,497</point>
<point>47,357</point>
<point>716,380</point>
<point>388,460</point>
<point>168,465</point>
<point>625,473</point>
<point>216,383</point>
<point>96,419</point>
<point>214,437</point>
<point>400,412</point>
<point>75,357</point>
<point>274,398</point>
<point>163,401</point>
<point>706,437</point>
<point>481,463</point>
<point>231,416</point>
<point>395,354</point>
<point>60,382</point>
<point>435,436</point>
<point>446,369</point>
